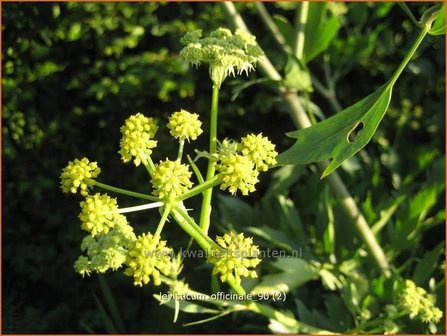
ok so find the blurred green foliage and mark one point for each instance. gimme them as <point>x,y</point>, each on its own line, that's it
<point>71,74</point>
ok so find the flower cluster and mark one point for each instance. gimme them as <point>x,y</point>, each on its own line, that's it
<point>236,257</point>
<point>105,251</point>
<point>137,141</point>
<point>185,125</point>
<point>239,164</point>
<point>148,257</point>
<point>237,172</point>
<point>419,303</point>
<point>260,150</point>
<point>171,179</point>
<point>79,174</point>
<point>99,214</point>
<point>225,52</point>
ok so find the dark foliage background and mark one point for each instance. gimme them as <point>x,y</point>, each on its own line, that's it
<point>71,74</point>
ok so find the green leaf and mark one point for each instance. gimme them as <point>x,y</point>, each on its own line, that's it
<point>439,25</point>
<point>340,136</point>
<point>427,265</point>
<point>297,75</point>
<point>319,30</point>
<point>75,32</point>
<point>285,28</point>
<point>283,178</point>
<point>294,273</point>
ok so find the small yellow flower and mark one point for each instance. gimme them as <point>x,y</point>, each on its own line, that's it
<point>148,257</point>
<point>236,258</point>
<point>79,174</point>
<point>260,150</point>
<point>98,214</point>
<point>185,125</point>
<point>171,179</point>
<point>136,142</point>
<point>237,172</point>
<point>419,303</point>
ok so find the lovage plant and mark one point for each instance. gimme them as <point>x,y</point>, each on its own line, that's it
<point>236,166</point>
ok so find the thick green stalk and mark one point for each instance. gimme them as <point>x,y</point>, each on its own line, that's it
<point>301,20</point>
<point>126,192</point>
<point>207,195</point>
<point>301,120</point>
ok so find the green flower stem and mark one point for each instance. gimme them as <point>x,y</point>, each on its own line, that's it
<point>207,195</point>
<point>140,207</point>
<point>186,218</point>
<point>180,149</point>
<point>301,120</point>
<point>201,188</point>
<point>195,170</point>
<point>149,164</point>
<point>163,219</point>
<point>126,192</point>
<point>301,16</point>
<point>238,289</point>
<point>186,226</point>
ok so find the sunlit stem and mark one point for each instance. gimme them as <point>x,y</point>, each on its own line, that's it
<point>201,188</point>
<point>163,219</point>
<point>126,192</point>
<point>140,207</point>
<point>190,222</point>
<point>180,149</point>
<point>190,230</point>
<point>148,164</point>
<point>301,18</point>
<point>207,195</point>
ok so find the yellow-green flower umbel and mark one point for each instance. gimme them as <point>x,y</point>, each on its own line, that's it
<point>171,179</point>
<point>105,251</point>
<point>99,214</point>
<point>260,150</point>
<point>237,257</point>
<point>185,125</point>
<point>137,141</point>
<point>79,174</point>
<point>237,173</point>
<point>225,52</point>
<point>419,303</point>
<point>148,257</point>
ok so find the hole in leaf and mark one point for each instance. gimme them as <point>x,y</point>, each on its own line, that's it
<point>354,132</point>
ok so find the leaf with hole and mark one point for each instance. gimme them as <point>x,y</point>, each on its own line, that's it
<point>340,136</point>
